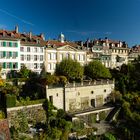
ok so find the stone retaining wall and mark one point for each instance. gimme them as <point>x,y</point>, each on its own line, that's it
<point>33,113</point>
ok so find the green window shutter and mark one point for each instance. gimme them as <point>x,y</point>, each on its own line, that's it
<point>16,65</point>
<point>16,54</point>
<point>4,65</point>
<point>10,44</point>
<point>10,54</point>
<point>16,44</point>
<point>4,54</point>
<point>4,44</point>
<point>11,65</point>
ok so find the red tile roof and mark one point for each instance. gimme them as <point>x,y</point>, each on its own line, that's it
<point>59,44</point>
<point>25,38</point>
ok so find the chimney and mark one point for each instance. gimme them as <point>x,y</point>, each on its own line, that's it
<point>16,29</point>
<point>30,35</point>
<point>42,36</point>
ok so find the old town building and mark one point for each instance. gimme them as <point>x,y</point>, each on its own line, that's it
<point>17,49</point>
<point>57,50</point>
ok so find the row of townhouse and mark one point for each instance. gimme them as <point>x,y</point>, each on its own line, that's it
<point>111,53</point>
<point>18,49</point>
<point>33,51</point>
<point>134,53</point>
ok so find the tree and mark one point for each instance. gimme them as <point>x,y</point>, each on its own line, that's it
<point>108,136</point>
<point>70,68</point>
<point>48,107</point>
<point>24,72</point>
<point>96,70</point>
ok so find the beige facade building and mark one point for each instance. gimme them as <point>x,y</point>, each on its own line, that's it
<point>57,50</point>
<point>111,53</point>
<point>79,97</point>
<point>134,53</point>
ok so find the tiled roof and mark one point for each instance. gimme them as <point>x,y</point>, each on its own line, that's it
<point>26,39</point>
<point>56,43</point>
<point>135,48</point>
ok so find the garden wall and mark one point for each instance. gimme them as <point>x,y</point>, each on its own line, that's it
<point>33,114</point>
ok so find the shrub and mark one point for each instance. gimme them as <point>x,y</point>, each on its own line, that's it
<point>10,100</point>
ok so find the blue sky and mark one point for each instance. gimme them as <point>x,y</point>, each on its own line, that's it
<point>77,19</point>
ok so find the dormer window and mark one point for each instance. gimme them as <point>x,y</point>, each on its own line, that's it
<point>38,41</point>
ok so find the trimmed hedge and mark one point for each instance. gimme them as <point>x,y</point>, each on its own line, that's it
<point>10,100</point>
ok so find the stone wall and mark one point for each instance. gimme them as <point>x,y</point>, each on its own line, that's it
<point>4,130</point>
<point>80,97</point>
<point>33,113</point>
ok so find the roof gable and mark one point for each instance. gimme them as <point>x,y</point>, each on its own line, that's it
<point>67,48</point>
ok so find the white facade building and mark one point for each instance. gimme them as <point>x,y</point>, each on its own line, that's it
<point>17,49</point>
<point>9,55</point>
<point>32,57</point>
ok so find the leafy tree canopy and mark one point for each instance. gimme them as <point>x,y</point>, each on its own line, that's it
<point>70,68</point>
<point>24,72</point>
<point>95,70</point>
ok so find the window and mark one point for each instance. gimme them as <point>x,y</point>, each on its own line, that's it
<point>35,65</point>
<point>78,57</point>
<point>41,65</point>
<point>35,49</point>
<point>22,49</point>
<point>41,49</point>
<point>104,90</point>
<point>53,56</point>
<point>1,55</point>
<point>8,44</point>
<point>21,65</point>
<point>81,57</point>
<point>22,57</point>
<point>67,55</point>
<point>49,56</point>
<point>61,57</point>
<point>54,66</point>
<point>15,54</point>
<point>15,44</point>
<point>8,65</point>
<point>15,65</point>
<point>28,49</point>
<point>35,57</point>
<point>41,57</point>
<point>28,57</point>
<point>49,66</point>
<point>8,54</point>
<point>51,99</point>
<point>72,56</point>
